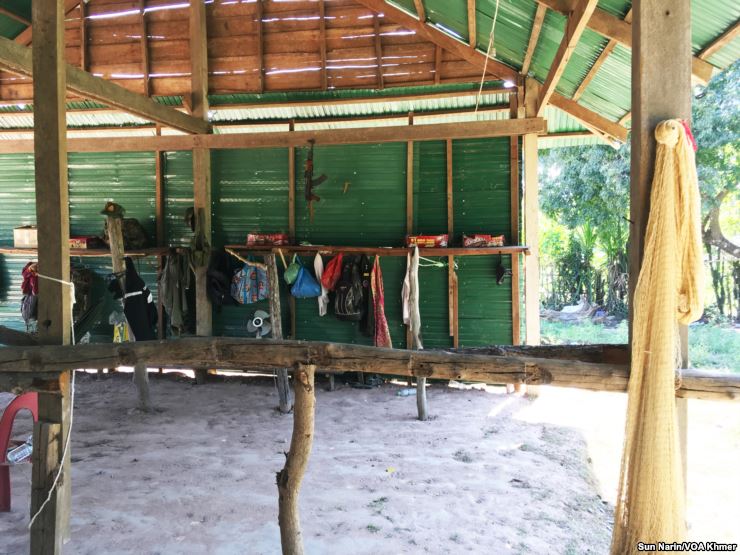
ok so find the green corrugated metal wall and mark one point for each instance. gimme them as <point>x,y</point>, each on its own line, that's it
<point>363,203</point>
<point>126,178</point>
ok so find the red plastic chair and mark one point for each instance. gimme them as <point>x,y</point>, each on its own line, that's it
<point>30,402</point>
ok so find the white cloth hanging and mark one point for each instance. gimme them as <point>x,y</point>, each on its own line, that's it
<point>323,299</point>
<point>410,299</point>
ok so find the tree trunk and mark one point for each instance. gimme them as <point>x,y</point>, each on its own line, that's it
<point>290,477</point>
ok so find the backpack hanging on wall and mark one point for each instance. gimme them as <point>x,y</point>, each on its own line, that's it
<point>348,299</point>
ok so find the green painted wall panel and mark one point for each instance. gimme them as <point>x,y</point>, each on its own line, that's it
<point>372,211</point>
<point>430,188</point>
<point>17,194</point>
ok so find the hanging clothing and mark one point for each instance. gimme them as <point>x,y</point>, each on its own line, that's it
<point>410,299</point>
<point>138,303</point>
<point>382,333</point>
<point>173,285</point>
<point>323,299</point>
<point>250,284</point>
<point>30,285</point>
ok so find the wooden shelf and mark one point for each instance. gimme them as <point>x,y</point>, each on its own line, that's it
<point>88,253</point>
<point>383,251</point>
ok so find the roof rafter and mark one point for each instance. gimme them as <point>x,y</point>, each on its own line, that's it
<point>534,36</point>
<point>14,16</point>
<point>472,33</point>
<point>574,28</point>
<point>620,30</point>
<point>721,41</point>
<point>26,35</point>
<point>447,42</point>
<point>18,59</point>
<point>610,46</point>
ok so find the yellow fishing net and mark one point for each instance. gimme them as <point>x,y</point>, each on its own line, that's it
<point>651,501</point>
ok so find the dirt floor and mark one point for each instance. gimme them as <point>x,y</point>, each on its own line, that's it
<point>490,473</point>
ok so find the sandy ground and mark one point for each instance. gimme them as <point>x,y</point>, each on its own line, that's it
<point>490,473</point>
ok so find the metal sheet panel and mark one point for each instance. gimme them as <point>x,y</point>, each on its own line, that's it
<point>430,188</point>
<point>178,179</point>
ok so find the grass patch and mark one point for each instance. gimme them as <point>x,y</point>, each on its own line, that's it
<point>711,347</point>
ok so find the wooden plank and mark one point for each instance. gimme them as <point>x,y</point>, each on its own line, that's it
<point>409,187</point>
<point>617,29</point>
<point>144,41</point>
<point>291,193</point>
<point>201,157</point>
<point>598,368</point>
<point>51,527</point>
<point>605,53</point>
<point>514,233</point>
<point>574,28</point>
<point>472,33</point>
<point>451,276</point>
<point>437,64</point>
<point>596,122</point>
<point>420,11</point>
<point>384,251</point>
<point>260,45</point>
<point>83,37</point>
<point>732,32</point>
<point>17,59</point>
<point>322,44</point>
<point>159,203</point>
<point>285,139</point>
<point>534,36</point>
<point>531,222</point>
<point>378,51</point>
<point>14,16</point>
<point>283,383</point>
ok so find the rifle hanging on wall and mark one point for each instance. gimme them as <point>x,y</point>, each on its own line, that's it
<point>310,182</point>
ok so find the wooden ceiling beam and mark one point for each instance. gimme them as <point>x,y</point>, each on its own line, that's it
<point>472,33</point>
<point>477,58</point>
<point>420,11</point>
<point>574,28</point>
<point>18,59</point>
<point>534,36</point>
<point>322,45</point>
<point>620,30</point>
<point>14,16</point>
<point>608,49</point>
<point>144,41</point>
<point>378,51</point>
<point>287,139</point>
<point>732,32</point>
<point>26,36</point>
<point>437,36</point>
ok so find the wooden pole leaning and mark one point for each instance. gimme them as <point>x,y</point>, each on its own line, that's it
<point>283,382</point>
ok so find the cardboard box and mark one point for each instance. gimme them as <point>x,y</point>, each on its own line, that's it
<point>273,239</point>
<point>427,240</point>
<point>80,242</point>
<point>25,237</point>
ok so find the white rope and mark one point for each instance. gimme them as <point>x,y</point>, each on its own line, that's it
<point>67,440</point>
<point>488,55</point>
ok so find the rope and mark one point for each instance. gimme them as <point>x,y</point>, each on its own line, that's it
<point>488,54</point>
<point>67,439</point>
<point>651,502</point>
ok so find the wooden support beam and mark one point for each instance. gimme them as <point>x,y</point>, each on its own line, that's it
<point>605,53</point>
<point>322,44</point>
<point>451,275</point>
<point>534,36</point>
<point>84,63</point>
<point>593,121</point>
<point>732,32</point>
<point>26,35</point>
<point>625,118</point>
<point>472,32</point>
<point>285,139</point>
<point>531,223</point>
<point>161,237</point>
<point>574,28</point>
<point>378,51</point>
<point>420,11</point>
<point>410,184</point>
<point>260,45</point>
<point>145,64</point>
<point>17,59</point>
<point>597,368</point>
<point>514,229</point>
<point>201,157</point>
<point>51,527</point>
<point>285,404</point>
<point>617,29</point>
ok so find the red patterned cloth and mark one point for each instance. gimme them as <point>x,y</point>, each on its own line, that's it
<point>382,333</point>
<point>30,285</point>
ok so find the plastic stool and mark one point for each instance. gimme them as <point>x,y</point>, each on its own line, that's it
<point>30,402</point>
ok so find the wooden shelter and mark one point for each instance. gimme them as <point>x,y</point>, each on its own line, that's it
<point>426,118</point>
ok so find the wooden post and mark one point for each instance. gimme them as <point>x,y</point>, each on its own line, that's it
<point>322,44</point>
<point>290,477</point>
<point>201,165</point>
<point>159,201</point>
<point>145,65</point>
<point>51,528</point>
<point>514,231</point>
<point>661,38</point>
<point>283,383</point>
<point>531,222</point>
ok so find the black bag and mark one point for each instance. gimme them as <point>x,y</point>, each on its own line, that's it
<point>219,275</point>
<point>367,322</point>
<point>134,234</point>
<point>348,299</point>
